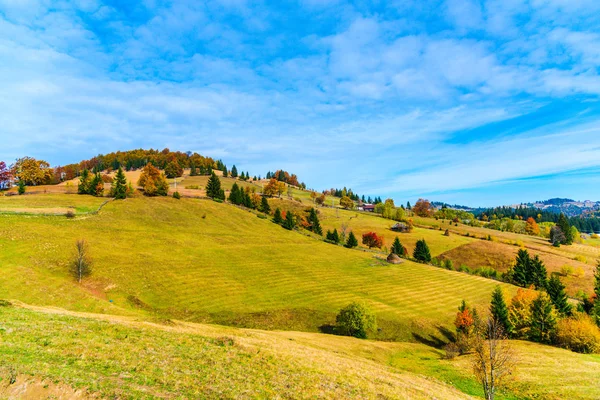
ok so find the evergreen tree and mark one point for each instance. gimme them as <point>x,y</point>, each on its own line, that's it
<point>408,207</point>
<point>235,194</point>
<point>193,171</point>
<point>499,310</point>
<point>119,186</point>
<point>277,216</point>
<point>289,221</point>
<point>596,308</point>
<point>221,195</point>
<point>213,187</point>
<point>335,237</point>
<point>316,226</point>
<point>397,248</point>
<point>565,226</point>
<point>224,169</point>
<point>422,252</point>
<point>97,186</point>
<point>264,205</point>
<point>543,319</point>
<point>351,242</point>
<point>234,172</point>
<point>84,182</point>
<point>521,270</point>
<point>21,185</point>
<point>556,291</point>
<point>247,200</point>
<point>538,274</point>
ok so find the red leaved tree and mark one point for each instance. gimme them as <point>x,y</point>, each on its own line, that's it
<point>371,239</point>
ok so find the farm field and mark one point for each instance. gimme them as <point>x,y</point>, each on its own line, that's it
<point>50,203</point>
<point>203,261</point>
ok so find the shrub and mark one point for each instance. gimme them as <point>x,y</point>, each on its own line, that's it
<point>451,351</point>
<point>70,214</point>
<point>487,272</point>
<point>581,259</point>
<point>579,272</point>
<point>355,320</point>
<point>566,270</point>
<point>262,216</point>
<point>578,334</point>
<point>176,195</point>
<point>595,236</point>
<point>22,188</point>
<point>448,264</point>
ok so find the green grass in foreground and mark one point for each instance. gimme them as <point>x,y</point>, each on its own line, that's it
<point>41,203</point>
<point>203,261</point>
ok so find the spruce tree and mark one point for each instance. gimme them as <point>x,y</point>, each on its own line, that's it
<point>277,216</point>
<point>499,310</point>
<point>397,248</point>
<point>316,226</point>
<point>543,320</point>
<point>538,274</point>
<point>556,291</point>
<point>193,171</point>
<point>335,237</point>
<point>234,172</point>
<point>119,186</point>
<point>213,187</point>
<point>289,220</point>
<point>224,169</point>
<point>21,187</point>
<point>521,270</point>
<point>596,308</point>
<point>247,199</point>
<point>264,205</point>
<point>565,226</point>
<point>351,242</point>
<point>421,252</point>
<point>97,186</point>
<point>84,182</point>
<point>235,194</point>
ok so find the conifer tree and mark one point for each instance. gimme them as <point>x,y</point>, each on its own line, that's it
<point>520,271</point>
<point>235,194</point>
<point>193,171</point>
<point>234,172</point>
<point>277,216</point>
<point>213,187</point>
<point>84,182</point>
<point>596,307</point>
<point>97,186</point>
<point>21,187</point>
<point>335,237</point>
<point>543,319</point>
<point>289,221</point>
<point>119,186</point>
<point>397,248</point>
<point>565,227</point>
<point>538,274</point>
<point>224,169</point>
<point>247,200</point>
<point>264,205</point>
<point>556,291</point>
<point>499,310</point>
<point>351,242</point>
<point>421,252</point>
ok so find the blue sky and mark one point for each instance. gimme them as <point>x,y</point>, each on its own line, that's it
<point>473,102</point>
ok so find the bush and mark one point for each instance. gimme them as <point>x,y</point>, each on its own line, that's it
<point>581,259</point>
<point>448,264</point>
<point>70,214</point>
<point>262,216</point>
<point>176,195</point>
<point>355,320</point>
<point>578,334</point>
<point>487,272</point>
<point>566,270</point>
<point>451,351</point>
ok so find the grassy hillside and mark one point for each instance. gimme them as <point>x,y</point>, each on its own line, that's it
<point>203,261</point>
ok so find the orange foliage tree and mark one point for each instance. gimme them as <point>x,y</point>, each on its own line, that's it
<point>422,208</point>
<point>531,227</point>
<point>371,239</point>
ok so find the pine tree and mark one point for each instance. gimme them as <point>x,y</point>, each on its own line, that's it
<point>499,310</point>
<point>264,205</point>
<point>213,187</point>
<point>565,226</point>
<point>521,270</point>
<point>97,186</point>
<point>21,184</point>
<point>119,186</point>
<point>247,200</point>
<point>397,248</point>
<point>543,319</point>
<point>538,274</point>
<point>84,182</point>
<point>556,291</point>
<point>224,169</point>
<point>234,172</point>
<point>289,221</point>
<point>316,226</point>
<point>351,242</point>
<point>596,308</point>
<point>421,252</point>
<point>235,194</point>
<point>335,237</point>
<point>277,216</point>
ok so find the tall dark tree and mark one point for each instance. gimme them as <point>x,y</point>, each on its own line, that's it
<point>543,319</point>
<point>557,236</point>
<point>119,186</point>
<point>556,291</point>
<point>521,269</point>
<point>565,226</point>
<point>213,187</point>
<point>352,241</point>
<point>234,172</point>
<point>289,222</point>
<point>235,195</point>
<point>537,274</point>
<point>264,205</point>
<point>596,308</point>
<point>193,171</point>
<point>84,182</point>
<point>421,252</point>
<point>499,310</point>
<point>277,216</point>
<point>397,248</point>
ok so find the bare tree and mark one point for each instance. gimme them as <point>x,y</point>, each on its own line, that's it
<point>494,358</point>
<point>81,265</point>
<point>343,230</point>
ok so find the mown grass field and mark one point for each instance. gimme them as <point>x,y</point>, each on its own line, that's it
<point>203,261</point>
<point>50,203</point>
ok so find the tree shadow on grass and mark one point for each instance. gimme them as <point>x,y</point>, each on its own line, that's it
<point>435,340</point>
<point>328,329</point>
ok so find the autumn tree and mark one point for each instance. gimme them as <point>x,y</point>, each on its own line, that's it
<point>270,188</point>
<point>519,313</point>
<point>5,176</point>
<point>153,181</point>
<point>347,203</point>
<point>320,200</point>
<point>32,172</point>
<point>464,323</point>
<point>543,319</point>
<point>280,188</point>
<point>173,170</point>
<point>557,236</point>
<point>422,208</point>
<point>351,242</point>
<point>371,239</point>
<point>421,252</point>
<point>81,265</point>
<point>119,185</point>
<point>531,227</point>
<point>494,358</point>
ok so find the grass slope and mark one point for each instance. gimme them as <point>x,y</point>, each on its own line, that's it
<point>203,261</point>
